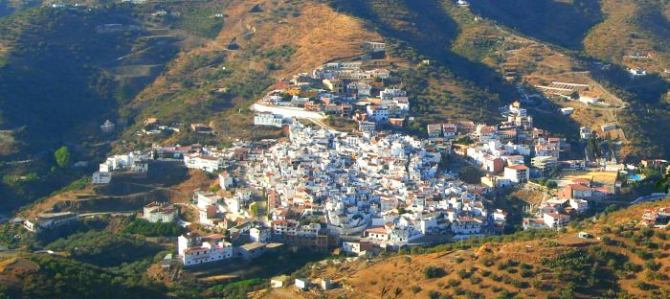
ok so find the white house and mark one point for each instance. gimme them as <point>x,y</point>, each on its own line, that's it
<point>567,110</point>
<point>555,220</point>
<point>351,247</point>
<point>367,126</point>
<point>159,212</point>
<point>268,119</point>
<point>463,3</point>
<point>449,130</point>
<point>517,173</point>
<point>259,234</point>
<point>49,220</point>
<point>637,72</point>
<point>233,204</point>
<point>225,180</point>
<point>466,225</point>
<point>389,93</point>
<point>375,46</point>
<point>279,281</point>
<point>580,205</point>
<point>133,162</point>
<point>377,234</point>
<point>377,113</point>
<point>209,207</point>
<point>196,250</point>
<point>204,163</point>
<point>301,283</point>
<point>101,178</point>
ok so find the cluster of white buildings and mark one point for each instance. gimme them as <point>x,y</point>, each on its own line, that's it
<point>504,150</point>
<point>555,213</point>
<point>133,163</point>
<point>215,210</point>
<point>361,182</point>
<point>351,89</point>
<point>195,250</point>
<point>571,199</point>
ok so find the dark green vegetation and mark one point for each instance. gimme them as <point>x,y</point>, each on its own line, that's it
<point>559,22</point>
<point>97,262</point>
<point>106,259</point>
<point>146,228</point>
<point>104,249</point>
<point>8,7</point>
<point>66,278</point>
<point>237,289</point>
<point>56,80</point>
<point>63,72</point>
<point>648,115</point>
<point>434,272</point>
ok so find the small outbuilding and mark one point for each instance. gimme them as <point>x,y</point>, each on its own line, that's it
<point>279,281</point>
<point>301,283</point>
<point>584,235</point>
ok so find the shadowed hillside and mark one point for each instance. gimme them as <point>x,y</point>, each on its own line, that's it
<point>562,22</point>
<point>57,83</point>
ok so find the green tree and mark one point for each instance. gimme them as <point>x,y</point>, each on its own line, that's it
<point>664,183</point>
<point>62,156</point>
<point>253,209</point>
<point>470,175</point>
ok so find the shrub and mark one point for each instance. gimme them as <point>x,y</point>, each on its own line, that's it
<point>526,273</point>
<point>463,274</point>
<point>475,280</point>
<point>434,295</point>
<point>632,267</point>
<point>415,289</point>
<point>505,295</point>
<point>434,272</point>
<point>512,270</point>
<point>502,266</point>
<point>488,261</point>
<point>520,284</point>
<point>454,282</point>
<point>652,266</point>
<point>645,286</point>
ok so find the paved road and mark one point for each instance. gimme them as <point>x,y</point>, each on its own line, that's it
<point>115,213</point>
<point>650,197</point>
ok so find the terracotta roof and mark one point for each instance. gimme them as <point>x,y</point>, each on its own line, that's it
<point>376,230</point>
<point>518,167</point>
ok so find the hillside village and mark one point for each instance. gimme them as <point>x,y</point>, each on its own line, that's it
<point>341,172</point>
<point>369,190</point>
